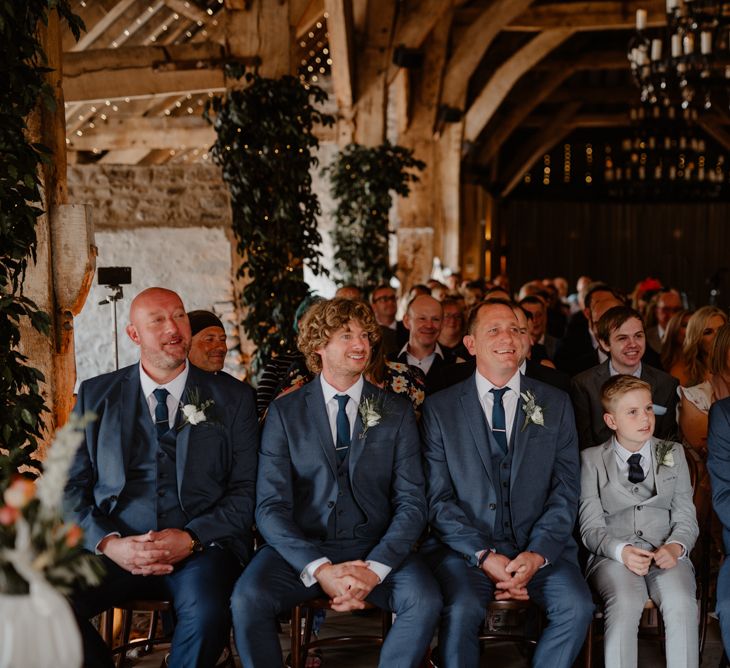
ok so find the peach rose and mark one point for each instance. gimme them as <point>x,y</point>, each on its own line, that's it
<point>8,515</point>
<point>20,493</point>
<point>74,534</point>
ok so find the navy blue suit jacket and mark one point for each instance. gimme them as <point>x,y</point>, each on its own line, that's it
<point>545,478</point>
<point>215,460</point>
<point>297,478</point>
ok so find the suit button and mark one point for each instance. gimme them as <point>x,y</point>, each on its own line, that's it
<point>331,504</point>
<point>161,492</point>
<point>505,466</point>
<point>639,507</point>
<point>161,454</point>
<point>639,533</point>
<point>492,506</point>
<point>505,484</point>
<point>506,524</point>
<point>113,498</point>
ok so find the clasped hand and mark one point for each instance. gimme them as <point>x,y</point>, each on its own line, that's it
<point>152,553</point>
<point>638,561</point>
<point>511,576</point>
<point>347,584</point>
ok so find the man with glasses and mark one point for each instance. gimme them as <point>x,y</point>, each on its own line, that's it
<point>668,302</point>
<point>384,304</point>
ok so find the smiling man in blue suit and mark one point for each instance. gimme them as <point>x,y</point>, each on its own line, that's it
<point>163,484</point>
<point>503,483</point>
<point>340,499</point>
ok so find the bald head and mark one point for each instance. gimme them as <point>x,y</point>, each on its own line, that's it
<point>159,325</point>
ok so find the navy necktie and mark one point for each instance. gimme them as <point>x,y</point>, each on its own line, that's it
<point>636,473</point>
<point>343,428</point>
<point>499,421</point>
<point>162,417</point>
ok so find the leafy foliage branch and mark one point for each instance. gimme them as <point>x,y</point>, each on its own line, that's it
<point>362,180</point>
<point>264,146</point>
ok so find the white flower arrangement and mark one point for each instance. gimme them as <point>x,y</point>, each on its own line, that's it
<point>534,414</point>
<point>371,411</point>
<point>664,454</point>
<point>194,411</point>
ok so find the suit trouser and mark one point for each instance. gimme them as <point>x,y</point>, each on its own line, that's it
<point>559,589</point>
<point>199,588</point>
<point>624,594</point>
<point>270,586</point>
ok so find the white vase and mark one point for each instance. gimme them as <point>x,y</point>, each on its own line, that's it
<point>38,630</point>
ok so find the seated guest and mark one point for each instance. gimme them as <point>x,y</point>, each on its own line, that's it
<point>165,494</point>
<point>423,320</point>
<point>208,345</point>
<point>693,365</point>
<point>452,329</point>
<point>667,302</point>
<point>455,373</point>
<point>385,304</point>
<point>543,345</point>
<point>579,349</point>
<point>621,334</point>
<point>349,292</point>
<point>275,376</point>
<point>340,499</point>
<point>502,481</point>
<point>638,522</point>
<point>674,339</point>
<point>695,401</point>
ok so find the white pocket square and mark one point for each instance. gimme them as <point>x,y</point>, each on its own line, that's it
<point>659,410</point>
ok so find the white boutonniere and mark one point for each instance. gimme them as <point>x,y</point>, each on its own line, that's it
<point>372,411</point>
<point>194,411</point>
<point>664,455</point>
<point>534,414</point>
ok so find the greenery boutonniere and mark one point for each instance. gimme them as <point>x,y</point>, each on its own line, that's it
<point>664,456</point>
<point>194,411</point>
<point>372,411</point>
<point>533,412</point>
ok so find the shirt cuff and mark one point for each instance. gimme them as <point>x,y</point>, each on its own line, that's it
<point>381,570</point>
<point>684,554</point>
<point>97,551</point>
<point>617,552</point>
<point>307,575</point>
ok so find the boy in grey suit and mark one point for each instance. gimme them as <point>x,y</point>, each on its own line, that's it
<point>638,521</point>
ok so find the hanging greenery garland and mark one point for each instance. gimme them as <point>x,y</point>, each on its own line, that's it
<point>362,180</point>
<point>265,148</point>
<point>21,52</point>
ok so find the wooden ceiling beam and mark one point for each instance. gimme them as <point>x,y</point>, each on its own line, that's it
<point>473,45</point>
<point>505,77</point>
<point>545,139</point>
<point>102,24</point>
<point>581,16</point>
<point>187,9</point>
<point>312,13</point>
<point>711,124</point>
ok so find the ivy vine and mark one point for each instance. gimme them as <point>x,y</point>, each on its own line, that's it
<point>24,67</point>
<point>362,179</point>
<point>264,146</point>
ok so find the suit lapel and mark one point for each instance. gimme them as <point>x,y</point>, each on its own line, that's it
<point>182,442</point>
<point>129,400</point>
<point>359,440</point>
<point>614,477</point>
<point>474,414</point>
<point>520,437</point>
<point>317,412</point>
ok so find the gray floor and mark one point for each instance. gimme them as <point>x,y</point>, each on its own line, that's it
<point>496,654</point>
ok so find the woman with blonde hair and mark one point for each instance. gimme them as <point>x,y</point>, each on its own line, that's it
<point>693,366</point>
<point>674,338</point>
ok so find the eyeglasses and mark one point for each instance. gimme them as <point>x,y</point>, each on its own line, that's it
<point>453,316</point>
<point>384,298</point>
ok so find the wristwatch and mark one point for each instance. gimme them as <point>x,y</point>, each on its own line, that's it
<point>195,544</point>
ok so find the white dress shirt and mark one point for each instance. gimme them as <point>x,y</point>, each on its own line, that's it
<point>176,389</point>
<point>425,363</point>
<point>510,400</point>
<point>332,405</point>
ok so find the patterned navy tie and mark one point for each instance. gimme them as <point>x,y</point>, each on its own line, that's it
<point>499,421</point>
<point>162,417</point>
<point>343,428</point>
<point>636,473</point>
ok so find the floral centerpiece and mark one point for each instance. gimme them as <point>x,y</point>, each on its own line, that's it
<point>42,557</point>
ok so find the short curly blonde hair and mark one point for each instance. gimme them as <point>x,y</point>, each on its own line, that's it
<point>325,318</point>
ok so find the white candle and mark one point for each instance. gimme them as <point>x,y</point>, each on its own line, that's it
<point>706,42</point>
<point>640,19</point>
<point>689,43</point>
<point>672,5</point>
<point>676,46</point>
<point>656,49</point>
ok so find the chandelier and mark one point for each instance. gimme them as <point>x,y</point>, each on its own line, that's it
<point>689,64</point>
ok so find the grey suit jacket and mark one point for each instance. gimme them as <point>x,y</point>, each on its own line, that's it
<point>545,483</point>
<point>586,396</point>
<point>215,460</point>
<point>609,515</point>
<point>297,478</point>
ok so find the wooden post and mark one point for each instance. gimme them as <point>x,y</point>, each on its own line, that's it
<point>65,261</point>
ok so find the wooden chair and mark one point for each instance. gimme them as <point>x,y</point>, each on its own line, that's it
<point>155,609</point>
<point>510,621</point>
<point>301,634</point>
